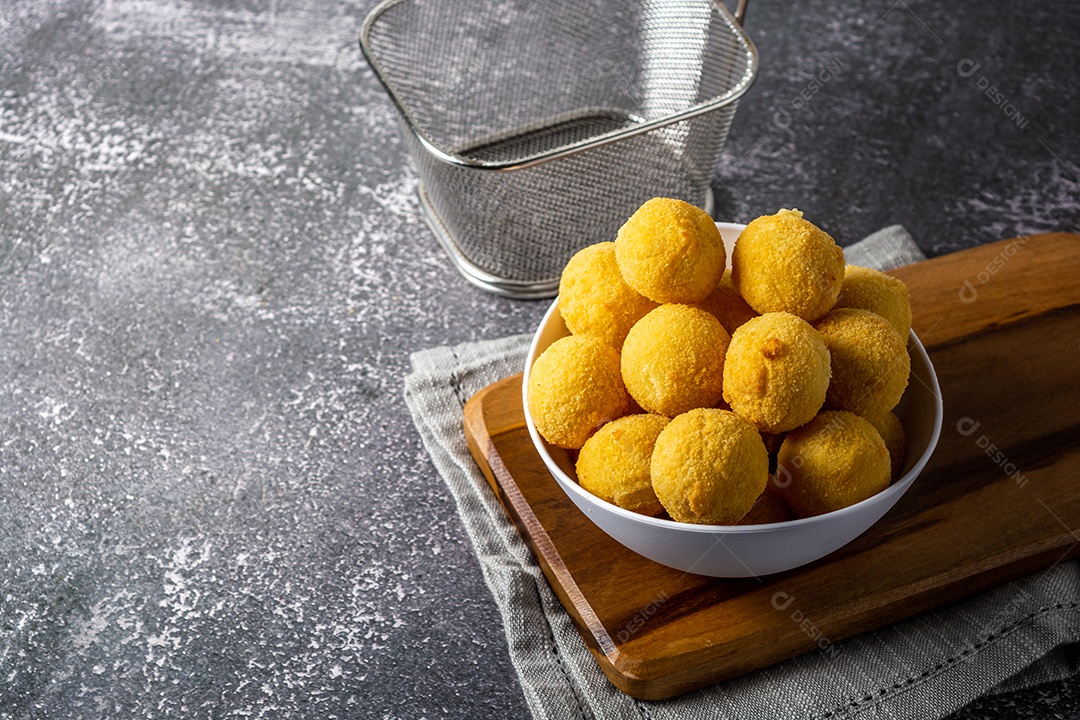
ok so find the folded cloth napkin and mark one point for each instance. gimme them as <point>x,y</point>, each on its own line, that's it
<point>1014,636</point>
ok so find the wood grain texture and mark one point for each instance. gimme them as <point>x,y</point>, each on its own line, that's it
<point>999,499</point>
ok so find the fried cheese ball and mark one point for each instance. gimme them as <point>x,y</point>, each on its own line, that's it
<point>769,507</point>
<point>673,360</point>
<point>709,466</point>
<point>574,388</point>
<point>595,300</point>
<point>671,252</point>
<point>726,305</point>
<point>873,290</point>
<point>776,372</point>
<point>870,362</point>
<point>891,431</point>
<point>785,263</point>
<point>614,463</point>
<point>835,460</point>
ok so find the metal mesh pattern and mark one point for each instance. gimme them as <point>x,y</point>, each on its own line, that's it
<point>539,126</point>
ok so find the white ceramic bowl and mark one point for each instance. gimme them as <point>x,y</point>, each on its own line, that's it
<point>747,550</point>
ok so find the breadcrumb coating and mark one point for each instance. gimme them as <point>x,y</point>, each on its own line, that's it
<point>869,289</point>
<point>785,263</point>
<point>595,300</point>
<point>709,466</point>
<point>614,463</point>
<point>673,360</point>
<point>870,362</point>
<point>671,252</point>
<point>835,460</point>
<point>769,508</point>
<point>575,387</point>
<point>776,372</point>
<point>727,305</point>
<point>891,431</point>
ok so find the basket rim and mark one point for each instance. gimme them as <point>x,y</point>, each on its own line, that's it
<point>453,158</point>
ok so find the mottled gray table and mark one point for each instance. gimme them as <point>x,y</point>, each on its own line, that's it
<point>213,270</point>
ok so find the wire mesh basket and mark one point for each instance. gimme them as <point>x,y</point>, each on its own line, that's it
<point>538,126</point>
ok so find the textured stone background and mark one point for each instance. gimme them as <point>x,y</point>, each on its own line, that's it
<point>213,269</point>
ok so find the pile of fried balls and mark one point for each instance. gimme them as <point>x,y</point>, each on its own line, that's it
<point>752,395</point>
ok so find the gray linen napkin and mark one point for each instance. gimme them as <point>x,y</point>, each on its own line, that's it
<point>1014,636</point>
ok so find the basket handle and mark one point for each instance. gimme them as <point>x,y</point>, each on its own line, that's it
<point>740,12</point>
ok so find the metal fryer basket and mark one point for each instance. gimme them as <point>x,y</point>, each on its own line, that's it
<point>538,126</point>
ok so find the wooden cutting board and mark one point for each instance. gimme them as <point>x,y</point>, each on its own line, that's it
<point>999,499</point>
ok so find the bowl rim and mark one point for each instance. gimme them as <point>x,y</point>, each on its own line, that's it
<point>889,495</point>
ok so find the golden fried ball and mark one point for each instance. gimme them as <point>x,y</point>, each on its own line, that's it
<point>870,362</point>
<point>776,372</point>
<point>709,466</point>
<point>614,463</point>
<point>673,360</point>
<point>784,262</point>
<point>595,300</point>
<point>873,290</point>
<point>768,508</point>
<point>575,387</point>
<point>835,460</point>
<point>726,305</point>
<point>671,252</point>
<point>891,431</point>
